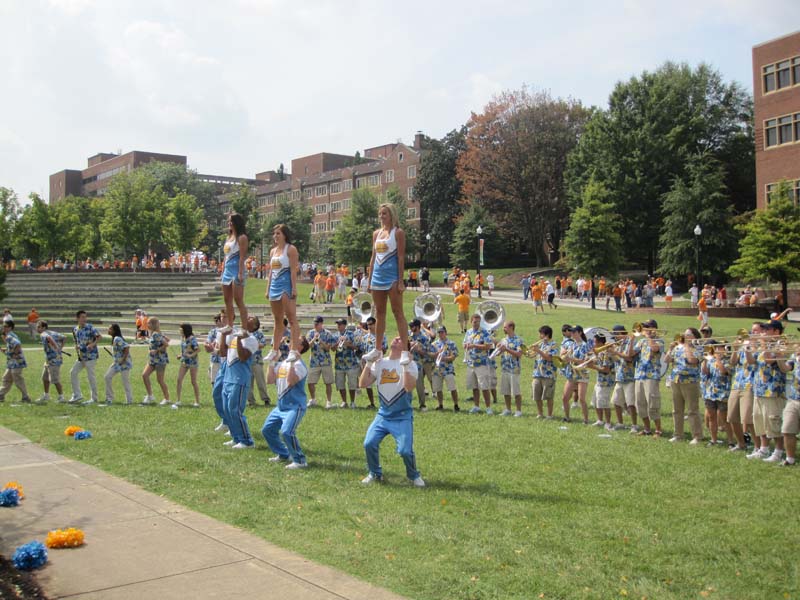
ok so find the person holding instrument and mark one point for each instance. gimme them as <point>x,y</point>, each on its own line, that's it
<point>686,358</point>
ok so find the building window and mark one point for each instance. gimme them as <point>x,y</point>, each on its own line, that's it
<point>796,70</point>
<point>794,191</point>
<point>321,209</point>
<point>797,127</point>
<point>346,204</point>
<point>781,75</point>
<point>321,190</point>
<point>322,227</point>
<point>785,130</point>
<point>411,213</point>
<point>336,206</point>
<point>295,195</point>
<point>782,130</point>
<point>399,157</point>
<point>348,185</point>
<point>769,79</point>
<point>374,180</point>
<point>336,188</point>
<point>412,171</point>
<point>307,193</point>
<point>334,225</point>
<point>784,75</point>
<point>771,132</point>
<point>410,193</point>
<point>389,176</point>
<point>271,200</point>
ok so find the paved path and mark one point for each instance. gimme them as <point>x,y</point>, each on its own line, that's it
<point>139,545</point>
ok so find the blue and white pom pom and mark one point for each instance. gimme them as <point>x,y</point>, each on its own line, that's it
<point>83,435</point>
<point>9,497</point>
<point>30,556</point>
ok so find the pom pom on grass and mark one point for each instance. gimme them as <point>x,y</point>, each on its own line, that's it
<point>30,556</point>
<point>72,430</point>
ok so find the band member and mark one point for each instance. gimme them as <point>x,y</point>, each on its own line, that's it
<point>686,358</point>
<point>740,401</point>
<point>717,393</point>
<point>53,342</point>
<point>477,344</point>
<point>238,349</point>
<point>346,363</point>
<point>603,363</point>
<point>234,275</point>
<point>121,365</point>
<point>510,354</point>
<point>320,341</point>
<point>624,396</point>
<point>647,377</point>
<point>368,343</point>
<point>577,378</point>
<point>386,276</point>
<point>491,363</point>
<point>420,347</point>
<point>254,328</point>
<point>282,289</point>
<point>86,338</point>
<point>395,416</point>
<point>190,348</point>
<point>444,352</point>
<point>157,361</point>
<point>15,363</point>
<point>543,383</point>
<point>791,413</point>
<point>210,346</point>
<point>280,427</point>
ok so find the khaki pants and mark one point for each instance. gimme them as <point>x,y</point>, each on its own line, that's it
<point>89,365</point>
<point>126,384</point>
<point>648,398</point>
<point>261,382</point>
<point>13,377</point>
<point>686,398</point>
<point>740,406</point>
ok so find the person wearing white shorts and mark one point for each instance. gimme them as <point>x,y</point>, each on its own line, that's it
<point>444,351</point>
<point>509,348</point>
<point>477,342</point>
<point>320,342</point>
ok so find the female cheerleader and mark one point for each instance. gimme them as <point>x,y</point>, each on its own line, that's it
<point>122,364</point>
<point>233,272</point>
<point>157,361</point>
<point>282,291</point>
<point>190,348</point>
<point>386,278</point>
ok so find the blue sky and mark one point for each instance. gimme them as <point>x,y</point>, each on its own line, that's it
<point>242,86</point>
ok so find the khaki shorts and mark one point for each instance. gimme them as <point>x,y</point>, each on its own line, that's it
<point>492,378</point>
<point>740,406</point>
<point>478,378</point>
<point>509,384</point>
<point>52,374</point>
<point>624,394</point>
<point>602,396</point>
<point>349,377</point>
<point>543,389</point>
<point>791,418</point>
<point>315,372</point>
<point>463,317</point>
<point>767,415</point>
<point>438,380</point>
<point>648,398</point>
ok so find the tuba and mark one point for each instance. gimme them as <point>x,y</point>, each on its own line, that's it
<point>363,307</point>
<point>492,314</point>
<point>428,307</point>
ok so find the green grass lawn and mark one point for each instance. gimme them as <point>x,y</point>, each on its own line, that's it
<point>514,508</point>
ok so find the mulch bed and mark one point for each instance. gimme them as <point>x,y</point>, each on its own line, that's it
<point>18,585</point>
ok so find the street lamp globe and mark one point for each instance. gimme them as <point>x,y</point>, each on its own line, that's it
<point>428,237</point>
<point>479,230</point>
<point>697,230</point>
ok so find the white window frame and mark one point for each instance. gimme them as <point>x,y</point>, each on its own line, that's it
<point>411,213</point>
<point>410,193</point>
<point>335,206</point>
<point>320,191</point>
<point>321,209</point>
<point>336,187</point>
<point>389,175</point>
<point>348,185</point>
<point>412,171</point>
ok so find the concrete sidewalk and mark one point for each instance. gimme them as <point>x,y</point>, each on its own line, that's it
<point>139,545</point>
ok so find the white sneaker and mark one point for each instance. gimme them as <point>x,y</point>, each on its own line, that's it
<point>221,427</point>
<point>418,482</point>
<point>371,479</point>
<point>196,405</point>
<point>423,409</point>
<point>609,427</point>
<point>575,406</point>
<point>352,404</point>
<point>489,411</point>
<point>177,405</point>
<point>328,405</point>
<point>405,357</point>
<point>373,355</point>
<point>505,413</point>
<point>518,413</point>
<point>775,457</point>
<point>273,355</point>
<point>343,404</point>
<point>296,465</point>
<point>598,423</point>
<point>294,355</point>
<point>228,443</point>
<point>88,402</point>
<point>43,399</point>
<point>634,429</point>
<point>675,438</point>
<point>694,442</point>
<point>75,400</point>
<point>148,400</point>
<point>61,400</point>
<point>311,402</point>
<point>758,453</point>
<point>164,402</point>
<point>474,410</point>
<point>241,446</point>
<point>277,459</point>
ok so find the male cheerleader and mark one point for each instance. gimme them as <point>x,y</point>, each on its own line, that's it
<point>238,349</point>
<point>395,415</point>
<point>86,337</point>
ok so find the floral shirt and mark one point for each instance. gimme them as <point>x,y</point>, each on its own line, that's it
<point>792,391</point>
<point>212,339</point>
<point>86,335</point>
<point>368,342</point>
<point>718,386</point>
<point>189,348</point>
<point>15,358</point>
<point>623,370</point>
<point>580,351</point>
<point>258,356</point>
<point>345,358</point>
<point>566,347</point>
<point>319,356</point>
<point>451,350</point>
<point>682,371</point>
<point>511,364</point>
<point>158,350</point>
<point>52,356</point>
<point>545,369</point>
<point>118,344</point>
<point>744,373</point>
<point>769,381</point>
<point>475,357</point>
<point>425,343</point>
<point>605,360</point>
<point>649,365</point>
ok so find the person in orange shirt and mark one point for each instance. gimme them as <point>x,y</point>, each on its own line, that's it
<point>536,295</point>
<point>702,307</point>
<point>349,303</point>
<point>330,287</point>
<point>601,287</point>
<point>462,299</point>
<point>319,288</point>
<point>33,317</point>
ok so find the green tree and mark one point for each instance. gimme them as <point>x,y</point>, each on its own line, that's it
<point>464,246</point>
<point>592,243</point>
<point>699,198</point>
<point>79,223</point>
<point>394,196</point>
<point>243,201</point>
<point>36,234</point>
<point>653,125</point>
<point>135,213</point>
<point>438,190</point>
<point>297,217</point>
<point>9,214</point>
<point>770,248</point>
<point>352,240</point>
<point>185,225</point>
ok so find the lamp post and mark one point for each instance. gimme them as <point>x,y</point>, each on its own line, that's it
<point>697,233</point>
<point>427,248</point>
<point>479,231</point>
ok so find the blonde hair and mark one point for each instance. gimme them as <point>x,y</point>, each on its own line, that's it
<point>154,324</point>
<point>392,211</point>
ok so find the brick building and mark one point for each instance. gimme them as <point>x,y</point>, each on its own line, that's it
<point>776,92</point>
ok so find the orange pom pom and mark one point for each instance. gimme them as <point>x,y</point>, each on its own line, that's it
<point>65,538</point>
<point>16,486</point>
<point>72,430</point>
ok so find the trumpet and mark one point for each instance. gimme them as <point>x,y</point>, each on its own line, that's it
<point>498,349</point>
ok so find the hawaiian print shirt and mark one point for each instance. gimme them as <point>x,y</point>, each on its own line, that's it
<point>792,391</point>
<point>211,339</point>
<point>718,387</point>
<point>682,371</point>
<point>475,357</point>
<point>368,342</point>
<point>346,358</point>
<point>86,335</point>
<point>744,373</point>
<point>566,347</point>
<point>649,365</point>
<point>118,344</point>
<point>545,369</point>
<point>508,363</point>
<point>158,353</point>
<point>15,359</point>
<point>451,350</point>
<point>623,370</point>
<point>580,351</point>
<point>258,355</point>
<point>769,381</point>
<point>52,356</point>
<point>605,361</point>
<point>189,349</point>
<point>425,344</point>
<point>319,356</point>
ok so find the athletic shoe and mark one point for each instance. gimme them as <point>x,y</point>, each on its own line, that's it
<point>372,479</point>
<point>352,404</point>
<point>221,427</point>
<point>405,357</point>
<point>736,448</point>
<point>439,408</point>
<point>328,404</point>
<point>88,402</point>
<point>273,355</point>
<point>694,442</point>
<point>423,409</point>
<point>196,405</point>
<point>565,420</point>
<point>26,400</point>
<point>148,400</point>
<point>644,432</point>
<point>489,411</point>
<point>241,446</point>
<point>785,463</point>
<point>277,458</point>
<point>549,418</point>
<point>775,457</point>
<point>710,445</point>
<point>418,482</point>
<point>586,421</point>
<point>540,417</point>
<point>474,410</point>
<point>164,402</point>
<point>634,429</point>
<point>61,400</point>
<point>373,355</point>
<point>505,413</point>
<point>228,443</point>
<point>176,406</point>
<point>108,402</point>
<point>43,399</point>
<point>294,355</point>
<point>658,433</point>
<point>619,427</point>
<point>598,423</point>
<point>456,408</point>
<point>296,465</point>
<point>748,439</point>
<point>609,427</point>
<point>518,413</point>
<point>75,400</point>
<point>675,438</point>
<point>343,404</point>
<point>757,453</point>
<point>311,402</point>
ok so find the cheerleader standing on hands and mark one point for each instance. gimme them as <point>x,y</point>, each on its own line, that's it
<point>282,291</point>
<point>233,273</point>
